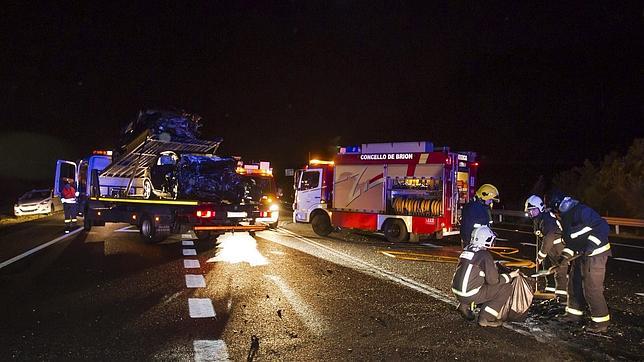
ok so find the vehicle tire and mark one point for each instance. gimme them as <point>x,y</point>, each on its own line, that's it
<point>147,189</point>
<point>87,223</point>
<point>321,224</point>
<point>396,231</point>
<point>149,232</point>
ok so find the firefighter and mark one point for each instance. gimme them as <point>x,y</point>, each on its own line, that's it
<point>476,212</point>
<point>69,204</point>
<point>548,230</point>
<point>477,280</point>
<point>585,234</point>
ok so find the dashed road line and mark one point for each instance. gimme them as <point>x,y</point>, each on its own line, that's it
<point>214,350</point>
<point>187,243</point>
<point>186,236</point>
<point>640,294</point>
<point>38,248</point>
<point>630,260</point>
<point>195,281</point>
<point>191,263</point>
<point>201,308</point>
<point>188,252</point>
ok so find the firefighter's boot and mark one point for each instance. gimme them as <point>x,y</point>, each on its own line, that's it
<point>595,327</point>
<point>486,323</point>
<point>569,318</point>
<point>465,311</point>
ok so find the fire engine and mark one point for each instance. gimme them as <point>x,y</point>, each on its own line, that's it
<point>407,190</point>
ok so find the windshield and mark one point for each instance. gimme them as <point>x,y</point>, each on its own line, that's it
<point>264,184</point>
<point>35,195</point>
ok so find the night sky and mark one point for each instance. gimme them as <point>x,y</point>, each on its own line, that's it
<point>533,89</point>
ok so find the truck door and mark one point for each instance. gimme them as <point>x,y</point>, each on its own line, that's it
<point>64,170</point>
<point>308,193</point>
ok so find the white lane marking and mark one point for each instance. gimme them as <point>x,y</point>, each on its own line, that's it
<point>187,243</point>
<point>431,245</point>
<point>201,308</point>
<point>210,350</point>
<point>626,245</point>
<point>630,260</point>
<point>191,263</point>
<point>38,248</point>
<point>307,315</point>
<point>189,252</point>
<point>126,229</point>
<point>640,294</point>
<point>186,236</point>
<point>529,244</point>
<point>195,281</point>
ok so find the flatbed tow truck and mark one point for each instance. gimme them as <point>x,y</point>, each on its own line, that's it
<point>108,193</point>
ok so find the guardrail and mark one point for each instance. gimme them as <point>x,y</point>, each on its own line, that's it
<point>614,221</point>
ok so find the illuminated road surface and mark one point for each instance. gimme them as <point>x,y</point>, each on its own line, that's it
<point>284,294</point>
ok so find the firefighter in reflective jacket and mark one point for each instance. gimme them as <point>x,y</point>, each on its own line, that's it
<point>476,212</point>
<point>585,233</point>
<point>548,229</point>
<point>69,205</point>
<point>477,280</point>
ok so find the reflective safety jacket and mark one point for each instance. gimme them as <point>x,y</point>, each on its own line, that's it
<point>473,271</point>
<point>475,214</point>
<point>549,230</point>
<point>68,195</point>
<point>584,231</point>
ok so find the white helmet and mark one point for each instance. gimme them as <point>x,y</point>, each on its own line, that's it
<point>482,238</point>
<point>533,202</point>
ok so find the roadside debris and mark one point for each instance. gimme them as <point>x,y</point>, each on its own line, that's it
<point>254,348</point>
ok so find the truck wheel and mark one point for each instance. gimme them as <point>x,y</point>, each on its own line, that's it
<point>149,232</point>
<point>396,231</point>
<point>321,224</point>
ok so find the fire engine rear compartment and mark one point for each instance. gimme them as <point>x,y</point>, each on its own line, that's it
<point>406,195</point>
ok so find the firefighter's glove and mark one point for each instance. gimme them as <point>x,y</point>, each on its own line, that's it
<point>514,273</point>
<point>538,233</point>
<point>563,259</point>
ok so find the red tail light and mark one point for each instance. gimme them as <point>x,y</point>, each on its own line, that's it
<point>205,214</point>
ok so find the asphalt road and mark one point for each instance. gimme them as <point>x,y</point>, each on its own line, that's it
<point>281,295</point>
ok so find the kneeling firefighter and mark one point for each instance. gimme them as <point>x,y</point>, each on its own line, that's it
<point>548,231</point>
<point>477,280</point>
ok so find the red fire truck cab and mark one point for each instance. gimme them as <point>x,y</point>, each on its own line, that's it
<point>407,190</point>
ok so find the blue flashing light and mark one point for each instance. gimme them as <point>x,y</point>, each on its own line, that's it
<point>350,149</point>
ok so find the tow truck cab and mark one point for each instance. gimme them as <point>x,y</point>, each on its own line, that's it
<point>263,190</point>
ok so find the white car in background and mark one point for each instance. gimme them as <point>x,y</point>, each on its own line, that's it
<point>37,202</point>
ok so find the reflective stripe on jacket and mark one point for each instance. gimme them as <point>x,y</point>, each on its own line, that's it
<point>473,271</point>
<point>584,231</point>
